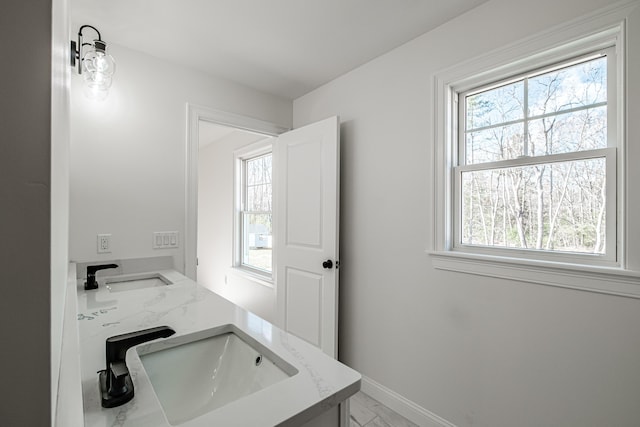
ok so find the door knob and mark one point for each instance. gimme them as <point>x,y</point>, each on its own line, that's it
<point>327,264</point>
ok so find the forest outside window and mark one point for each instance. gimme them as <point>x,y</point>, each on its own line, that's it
<point>535,173</point>
<point>256,215</point>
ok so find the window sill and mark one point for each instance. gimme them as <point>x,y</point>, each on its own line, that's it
<point>605,280</point>
<point>252,276</point>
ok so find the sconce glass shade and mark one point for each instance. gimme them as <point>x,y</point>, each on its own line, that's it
<point>98,67</point>
<point>94,93</point>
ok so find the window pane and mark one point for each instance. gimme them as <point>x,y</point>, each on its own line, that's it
<point>569,132</point>
<point>495,106</point>
<point>259,197</point>
<point>259,170</point>
<point>257,246</point>
<point>575,86</point>
<point>498,143</point>
<point>551,207</point>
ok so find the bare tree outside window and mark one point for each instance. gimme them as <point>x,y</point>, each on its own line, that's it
<point>531,175</point>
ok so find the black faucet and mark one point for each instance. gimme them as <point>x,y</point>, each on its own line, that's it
<point>91,275</point>
<point>115,382</point>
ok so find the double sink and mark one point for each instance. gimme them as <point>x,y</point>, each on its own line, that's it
<point>223,366</point>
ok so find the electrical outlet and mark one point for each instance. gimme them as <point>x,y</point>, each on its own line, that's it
<point>104,243</point>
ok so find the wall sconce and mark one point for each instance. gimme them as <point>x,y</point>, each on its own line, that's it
<point>94,64</point>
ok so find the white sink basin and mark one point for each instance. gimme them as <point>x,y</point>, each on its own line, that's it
<point>195,374</point>
<point>135,281</point>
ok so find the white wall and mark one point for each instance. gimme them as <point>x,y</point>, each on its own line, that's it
<point>473,350</point>
<point>215,228</point>
<point>128,153</point>
<point>60,144</point>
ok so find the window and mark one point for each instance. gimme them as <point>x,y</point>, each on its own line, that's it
<point>536,162</point>
<point>531,167</point>
<point>255,215</point>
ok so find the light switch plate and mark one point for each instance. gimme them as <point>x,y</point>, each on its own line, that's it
<point>165,240</point>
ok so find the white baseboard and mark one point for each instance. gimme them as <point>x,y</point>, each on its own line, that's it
<point>402,405</point>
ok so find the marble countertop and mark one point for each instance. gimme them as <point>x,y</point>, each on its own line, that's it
<point>320,384</point>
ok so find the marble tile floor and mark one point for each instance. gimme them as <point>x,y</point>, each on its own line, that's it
<point>368,412</point>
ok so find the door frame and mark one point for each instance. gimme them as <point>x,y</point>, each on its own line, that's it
<point>195,114</point>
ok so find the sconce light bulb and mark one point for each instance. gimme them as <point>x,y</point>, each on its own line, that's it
<point>96,59</point>
<point>102,64</point>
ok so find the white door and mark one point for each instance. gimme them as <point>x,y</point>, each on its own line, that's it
<point>306,161</point>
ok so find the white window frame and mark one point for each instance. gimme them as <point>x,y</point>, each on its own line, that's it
<point>580,37</point>
<point>459,166</point>
<point>255,150</point>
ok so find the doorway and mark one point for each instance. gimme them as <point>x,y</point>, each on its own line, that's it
<point>213,139</point>
<point>217,237</point>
